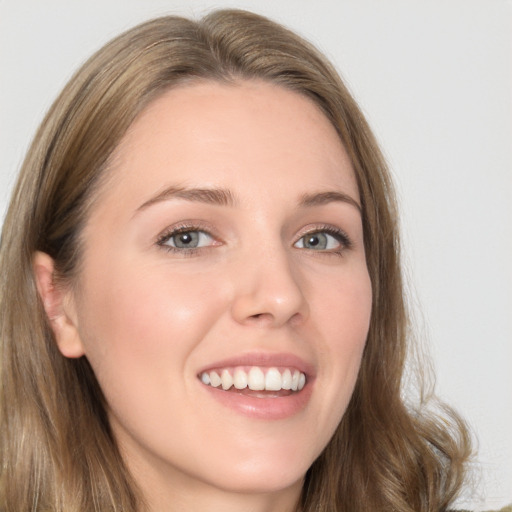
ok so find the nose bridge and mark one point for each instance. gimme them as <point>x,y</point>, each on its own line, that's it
<point>268,287</point>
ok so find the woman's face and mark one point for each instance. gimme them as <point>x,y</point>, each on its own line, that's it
<point>225,246</point>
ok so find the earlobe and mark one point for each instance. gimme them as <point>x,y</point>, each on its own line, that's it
<point>58,307</point>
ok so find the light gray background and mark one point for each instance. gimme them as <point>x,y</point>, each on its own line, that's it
<point>434,78</point>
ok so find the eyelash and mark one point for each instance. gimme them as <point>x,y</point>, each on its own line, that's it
<point>339,235</point>
<point>174,231</point>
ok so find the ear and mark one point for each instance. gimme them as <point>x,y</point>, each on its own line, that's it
<point>59,306</point>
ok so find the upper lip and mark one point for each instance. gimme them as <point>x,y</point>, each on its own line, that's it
<point>264,359</point>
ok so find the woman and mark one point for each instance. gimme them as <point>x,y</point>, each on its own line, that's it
<point>205,307</point>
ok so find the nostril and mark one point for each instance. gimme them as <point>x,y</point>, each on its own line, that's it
<point>261,318</point>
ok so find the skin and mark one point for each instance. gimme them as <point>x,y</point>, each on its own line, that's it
<point>149,319</point>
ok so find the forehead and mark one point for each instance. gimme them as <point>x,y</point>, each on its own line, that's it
<point>247,135</point>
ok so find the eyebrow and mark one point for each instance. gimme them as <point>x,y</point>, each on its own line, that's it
<point>224,197</point>
<point>215,196</point>
<point>321,198</point>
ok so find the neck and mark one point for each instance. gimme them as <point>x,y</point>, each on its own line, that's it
<point>219,501</point>
<point>167,490</point>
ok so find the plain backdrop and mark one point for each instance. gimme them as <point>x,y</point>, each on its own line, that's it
<point>435,81</point>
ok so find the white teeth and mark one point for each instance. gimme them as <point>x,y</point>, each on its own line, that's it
<point>295,381</point>
<point>255,379</point>
<point>287,379</point>
<point>215,380</point>
<point>227,380</point>
<point>302,381</point>
<point>273,380</point>
<point>239,379</point>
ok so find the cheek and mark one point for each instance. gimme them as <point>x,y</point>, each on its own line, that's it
<point>344,310</point>
<point>139,331</point>
<point>133,323</point>
<point>344,318</point>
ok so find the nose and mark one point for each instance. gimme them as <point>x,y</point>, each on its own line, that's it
<point>269,291</point>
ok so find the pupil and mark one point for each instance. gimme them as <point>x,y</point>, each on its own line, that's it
<point>185,238</point>
<point>313,241</point>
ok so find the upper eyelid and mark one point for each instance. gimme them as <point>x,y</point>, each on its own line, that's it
<point>174,232</point>
<point>184,226</point>
<point>196,225</point>
<point>327,228</point>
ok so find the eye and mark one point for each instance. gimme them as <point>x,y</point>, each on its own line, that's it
<point>329,240</point>
<point>185,239</point>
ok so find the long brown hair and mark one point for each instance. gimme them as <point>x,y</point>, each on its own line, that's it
<point>56,448</point>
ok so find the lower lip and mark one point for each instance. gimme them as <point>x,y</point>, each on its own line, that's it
<point>276,408</point>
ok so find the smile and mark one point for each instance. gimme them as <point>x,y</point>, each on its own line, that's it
<point>255,378</point>
<point>259,385</point>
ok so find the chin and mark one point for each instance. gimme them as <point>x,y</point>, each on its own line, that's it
<point>261,482</point>
<point>261,475</point>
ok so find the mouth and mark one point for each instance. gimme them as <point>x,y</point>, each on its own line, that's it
<point>262,386</point>
<point>256,381</point>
